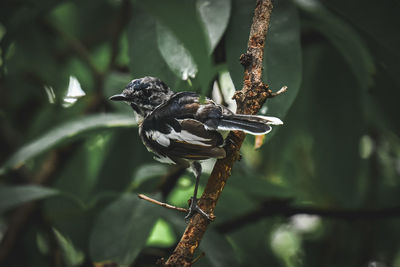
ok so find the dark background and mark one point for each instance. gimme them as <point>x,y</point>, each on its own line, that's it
<point>322,191</point>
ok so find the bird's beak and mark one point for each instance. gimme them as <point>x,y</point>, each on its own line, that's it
<point>120,97</point>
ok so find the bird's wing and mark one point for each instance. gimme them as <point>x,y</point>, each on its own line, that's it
<point>185,105</point>
<point>177,133</point>
<point>196,142</point>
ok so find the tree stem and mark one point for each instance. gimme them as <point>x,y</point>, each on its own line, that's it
<point>249,100</point>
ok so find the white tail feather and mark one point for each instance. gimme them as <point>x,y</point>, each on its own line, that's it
<point>272,120</point>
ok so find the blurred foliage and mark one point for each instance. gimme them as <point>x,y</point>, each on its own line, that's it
<point>83,163</point>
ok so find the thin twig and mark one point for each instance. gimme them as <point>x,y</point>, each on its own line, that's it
<point>199,257</point>
<point>249,101</point>
<point>280,91</point>
<point>162,204</point>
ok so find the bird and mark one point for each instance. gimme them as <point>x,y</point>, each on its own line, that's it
<point>184,128</point>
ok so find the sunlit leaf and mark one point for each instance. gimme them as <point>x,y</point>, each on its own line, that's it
<point>121,230</point>
<point>65,132</point>
<point>215,17</point>
<point>286,244</point>
<point>12,196</point>
<point>50,94</point>
<point>161,235</point>
<point>74,92</point>
<point>175,54</point>
<point>142,40</point>
<point>190,33</point>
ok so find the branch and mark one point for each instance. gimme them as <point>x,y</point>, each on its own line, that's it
<point>282,208</point>
<point>162,204</point>
<point>249,100</point>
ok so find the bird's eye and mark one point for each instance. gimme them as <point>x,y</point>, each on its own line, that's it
<point>146,93</point>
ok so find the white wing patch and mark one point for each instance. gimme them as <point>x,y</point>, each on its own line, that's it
<point>163,159</point>
<point>160,138</point>
<point>184,136</point>
<point>187,137</point>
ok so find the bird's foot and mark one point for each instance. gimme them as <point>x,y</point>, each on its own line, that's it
<point>193,208</point>
<point>229,140</point>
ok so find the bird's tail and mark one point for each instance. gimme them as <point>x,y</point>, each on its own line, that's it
<point>252,124</point>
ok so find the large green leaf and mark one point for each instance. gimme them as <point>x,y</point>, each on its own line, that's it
<point>382,33</point>
<point>237,36</point>
<point>282,58</point>
<point>282,61</point>
<point>343,37</point>
<point>121,230</point>
<point>190,33</point>
<point>66,132</point>
<point>142,39</point>
<point>215,17</point>
<point>323,133</point>
<point>175,54</point>
<point>12,196</point>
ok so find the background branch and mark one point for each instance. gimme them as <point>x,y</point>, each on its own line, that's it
<point>285,209</point>
<point>249,100</point>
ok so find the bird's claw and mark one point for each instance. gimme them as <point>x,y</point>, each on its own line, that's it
<point>194,208</point>
<point>229,140</point>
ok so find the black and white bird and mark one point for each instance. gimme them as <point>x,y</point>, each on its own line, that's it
<point>181,129</point>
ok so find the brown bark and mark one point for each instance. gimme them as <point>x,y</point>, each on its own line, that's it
<point>249,100</point>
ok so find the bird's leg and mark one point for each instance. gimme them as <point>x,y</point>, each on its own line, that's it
<point>193,208</point>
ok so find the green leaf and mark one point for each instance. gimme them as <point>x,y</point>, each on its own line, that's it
<point>161,235</point>
<point>335,152</point>
<point>218,250</point>
<point>71,256</point>
<point>121,230</point>
<point>382,38</point>
<point>147,174</point>
<point>142,40</point>
<point>66,132</point>
<point>381,34</point>
<point>282,58</point>
<point>215,17</point>
<point>12,196</point>
<point>190,33</point>
<point>175,54</point>
<point>343,37</point>
<point>255,252</point>
<point>237,36</point>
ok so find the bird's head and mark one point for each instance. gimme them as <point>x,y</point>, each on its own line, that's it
<point>144,94</point>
